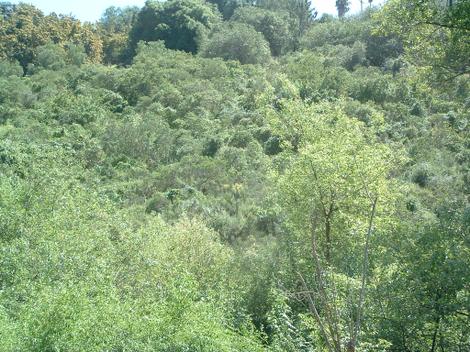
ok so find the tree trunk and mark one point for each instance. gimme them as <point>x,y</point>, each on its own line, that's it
<point>328,239</point>
<point>313,310</point>
<point>434,337</point>
<point>341,11</point>
<point>351,346</point>
<point>365,265</point>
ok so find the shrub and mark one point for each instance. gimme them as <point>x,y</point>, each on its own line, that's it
<point>237,41</point>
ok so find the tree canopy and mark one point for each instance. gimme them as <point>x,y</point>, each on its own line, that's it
<point>181,24</point>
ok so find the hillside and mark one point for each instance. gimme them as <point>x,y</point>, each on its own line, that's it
<point>230,175</point>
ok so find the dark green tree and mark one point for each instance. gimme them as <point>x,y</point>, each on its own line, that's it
<point>274,26</point>
<point>7,9</point>
<point>237,41</point>
<point>301,13</point>
<point>228,7</point>
<point>181,24</point>
<point>343,7</point>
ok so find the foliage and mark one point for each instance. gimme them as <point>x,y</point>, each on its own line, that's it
<point>114,27</point>
<point>336,184</point>
<point>378,47</point>
<point>273,25</point>
<point>237,41</point>
<point>214,198</point>
<point>432,277</point>
<point>343,7</point>
<point>227,7</point>
<point>435,33</point>
<point>181,24</point>
<point>26,28</point>
<point>301,13</point>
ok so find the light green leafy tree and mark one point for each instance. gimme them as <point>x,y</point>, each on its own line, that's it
<point>435,34</point>
<point>336,190</point>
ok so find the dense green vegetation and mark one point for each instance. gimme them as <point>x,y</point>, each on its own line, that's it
<point>235,176</point>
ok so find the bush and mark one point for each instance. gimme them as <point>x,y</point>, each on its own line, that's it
<point>421,175</point>
<point>8,68</point>
<point>51,57</point>
<point>273,146</point>
<point>237,41</point>
<point>273,25</point>
<point>87,277</point>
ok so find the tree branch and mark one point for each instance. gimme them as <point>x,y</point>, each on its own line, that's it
<point>314,311</point>
<point>365,265</point>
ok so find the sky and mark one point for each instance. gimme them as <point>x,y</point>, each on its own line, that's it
<point>91,10</point>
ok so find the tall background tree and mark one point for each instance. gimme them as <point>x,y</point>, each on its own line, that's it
<point>274,25</point>
<point>301,13</point>
<point>181,24</point>
<point>25,28</point>
<point>19,34</point>
<point>114,28</point>
<point>228,7</point>
<point>343,7</point>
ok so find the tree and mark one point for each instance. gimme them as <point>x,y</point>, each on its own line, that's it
<point>114,27</point>
<point>181,24</point>
<point>118,19</point>
<point>334,188</point>
<point>301,13</point>
<point>435,34</point>
<point>237,41</point>
<point>304,14</point>
<point>228,7</point>
<point>342,7</point>
<point>428,310</point>
<point>26,28</point>
<point>379,47</point>
<point>273,25</point>
<point>51,57</point>
<point>6,9</point>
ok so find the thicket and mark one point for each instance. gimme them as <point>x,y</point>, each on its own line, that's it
<point>235,176</point>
